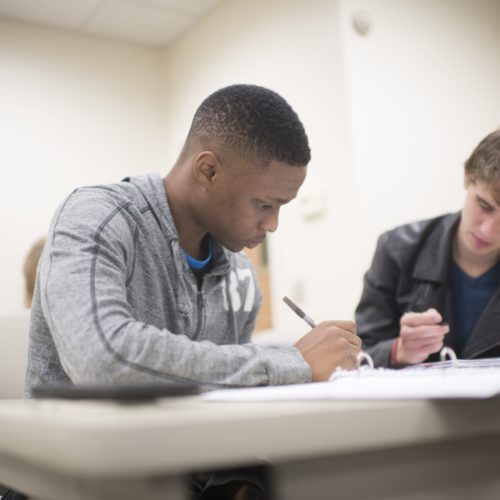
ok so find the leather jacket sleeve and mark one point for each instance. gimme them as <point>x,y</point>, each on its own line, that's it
<point>377,315</point>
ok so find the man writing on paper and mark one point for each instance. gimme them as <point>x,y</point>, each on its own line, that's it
<point>142,281</point>
<point>436,282</point>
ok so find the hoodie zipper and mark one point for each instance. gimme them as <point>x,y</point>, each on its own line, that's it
<point>200,307</point>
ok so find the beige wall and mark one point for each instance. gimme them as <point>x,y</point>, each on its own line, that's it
<point>390,118</point>
<point>423,90</point>
<point>74,111</point>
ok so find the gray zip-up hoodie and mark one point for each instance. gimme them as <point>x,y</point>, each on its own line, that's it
<point>115,301</point>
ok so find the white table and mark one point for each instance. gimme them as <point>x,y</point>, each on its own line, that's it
<point>61,450</point>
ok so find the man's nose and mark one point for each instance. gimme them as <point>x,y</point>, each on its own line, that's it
<point>270,222</point>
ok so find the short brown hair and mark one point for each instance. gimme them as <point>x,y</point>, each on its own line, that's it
<point>29,269</point>
<point>484,162</point>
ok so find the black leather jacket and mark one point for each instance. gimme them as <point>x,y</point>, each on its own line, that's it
<point>411,272</point>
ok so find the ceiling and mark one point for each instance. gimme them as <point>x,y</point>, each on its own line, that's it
<point>151,22</point>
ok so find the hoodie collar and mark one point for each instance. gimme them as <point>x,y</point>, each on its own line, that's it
<point>153,189</point>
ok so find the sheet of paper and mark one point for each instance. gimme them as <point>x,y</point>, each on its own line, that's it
<point>378,384</point>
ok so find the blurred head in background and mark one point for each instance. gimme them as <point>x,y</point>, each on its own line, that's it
<point>29,269</point>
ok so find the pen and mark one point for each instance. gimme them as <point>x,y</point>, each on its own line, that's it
<point>299,312</point>
<point>441,323</point>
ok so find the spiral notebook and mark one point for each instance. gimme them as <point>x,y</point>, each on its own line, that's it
<point>448,379</point>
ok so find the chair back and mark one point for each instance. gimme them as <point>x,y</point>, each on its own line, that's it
<point>14,333</point>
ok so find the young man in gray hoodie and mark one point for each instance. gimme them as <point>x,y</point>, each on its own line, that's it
<point>143,281</point>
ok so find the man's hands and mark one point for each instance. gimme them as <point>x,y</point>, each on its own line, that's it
<point>329,345</point>
<point>420,335</point>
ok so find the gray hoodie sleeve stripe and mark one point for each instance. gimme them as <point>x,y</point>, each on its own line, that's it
<point>95,314</point>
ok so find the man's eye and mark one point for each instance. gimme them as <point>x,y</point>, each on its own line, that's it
<point>264,206</point>
<point>485,206</point>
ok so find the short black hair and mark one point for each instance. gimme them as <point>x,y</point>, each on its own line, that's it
<point>253,121</point>
<point>484,162</point>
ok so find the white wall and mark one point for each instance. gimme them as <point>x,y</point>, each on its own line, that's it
<point>391,117</point>
<point>73,111</point>
<point>423,90</point>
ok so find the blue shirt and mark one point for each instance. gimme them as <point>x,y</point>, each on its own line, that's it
<point>470,297</point>
<point>199,267</point>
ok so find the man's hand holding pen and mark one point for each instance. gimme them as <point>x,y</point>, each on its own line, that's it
<point>328,346</point>
<point>421,334</point>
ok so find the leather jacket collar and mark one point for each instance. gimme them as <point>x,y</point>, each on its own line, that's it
<point>434,261</point>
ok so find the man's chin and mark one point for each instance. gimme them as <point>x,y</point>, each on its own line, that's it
<point>235,248</point>
<point>253,243</point>
<point>238,247</point>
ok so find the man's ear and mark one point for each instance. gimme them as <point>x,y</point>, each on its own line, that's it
<point>205,168</point>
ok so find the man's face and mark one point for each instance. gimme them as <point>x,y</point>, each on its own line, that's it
<point>479,230</point>
<point>245,201</point>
